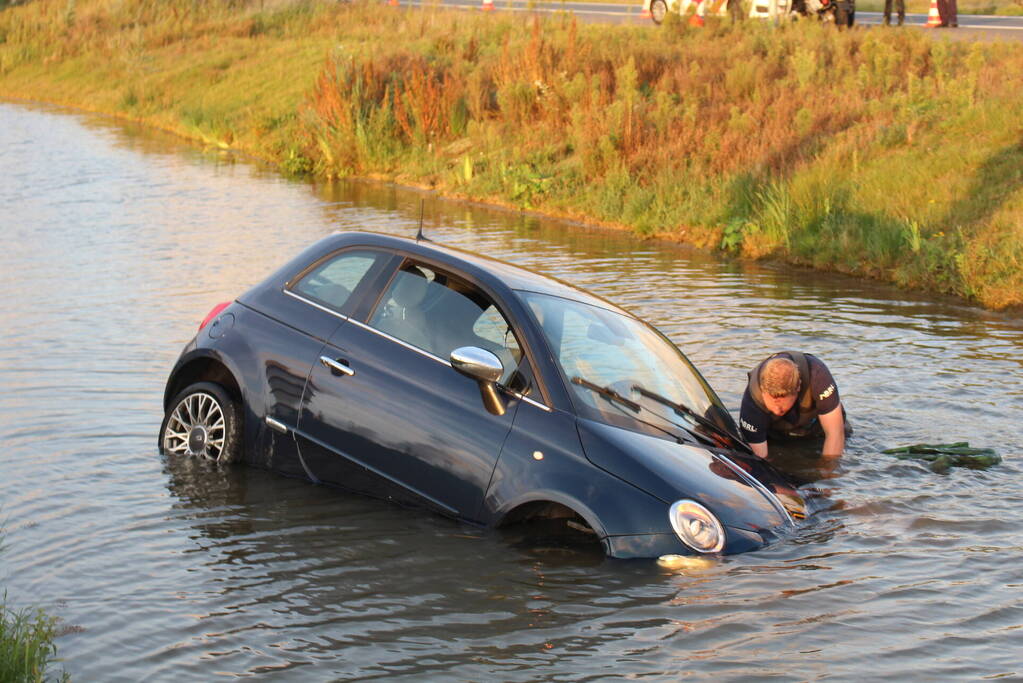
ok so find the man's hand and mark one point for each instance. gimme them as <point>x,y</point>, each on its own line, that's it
<point>759,449</point>
<point>834,433</point>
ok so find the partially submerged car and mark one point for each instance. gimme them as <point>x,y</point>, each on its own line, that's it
<point>410,371</point>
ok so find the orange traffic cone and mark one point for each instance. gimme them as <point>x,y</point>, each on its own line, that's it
<point>488,6</point>
<point>933,15</point>
<point>697,18</point>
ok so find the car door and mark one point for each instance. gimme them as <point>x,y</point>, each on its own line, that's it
<point>293,324</point>
<point>385,402</point>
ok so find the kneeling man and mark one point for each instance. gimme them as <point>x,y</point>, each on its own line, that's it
<point>792,394</point>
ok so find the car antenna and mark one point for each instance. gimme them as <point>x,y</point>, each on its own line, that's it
<point>419,235</point>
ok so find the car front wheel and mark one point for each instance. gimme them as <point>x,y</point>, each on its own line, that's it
<point>658,10</point>
<point>203,421</point>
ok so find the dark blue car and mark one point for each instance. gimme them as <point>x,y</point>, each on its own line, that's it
<point>415,372</point>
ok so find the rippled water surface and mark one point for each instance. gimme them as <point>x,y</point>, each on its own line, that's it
<point>115,245</point>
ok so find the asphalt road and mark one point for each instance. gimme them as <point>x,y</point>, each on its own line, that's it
<point>970,26</point>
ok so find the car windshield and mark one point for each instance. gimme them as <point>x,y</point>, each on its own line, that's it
<point>621,369</point>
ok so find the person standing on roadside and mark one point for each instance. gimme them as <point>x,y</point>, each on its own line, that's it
<point>792,395</point>
<point>949,13</point>
<point>900,9</point>
<point>736,11</point>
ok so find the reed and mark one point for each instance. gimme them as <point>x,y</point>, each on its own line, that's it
<point>888,154</point>
<point>26,645</point>
<point>27,649</point>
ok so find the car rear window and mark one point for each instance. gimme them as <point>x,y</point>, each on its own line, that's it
<point>332,282</point>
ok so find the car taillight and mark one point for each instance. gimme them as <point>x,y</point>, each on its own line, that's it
<point>214,312</point>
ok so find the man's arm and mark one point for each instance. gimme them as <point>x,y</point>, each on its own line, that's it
<point>834,433</point>
<point>753,423</point>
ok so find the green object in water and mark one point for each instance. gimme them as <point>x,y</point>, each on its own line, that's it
<point>944,456</point>
<point>926,447</point>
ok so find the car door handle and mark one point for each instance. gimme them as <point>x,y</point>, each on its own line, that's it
<point>336,366</point>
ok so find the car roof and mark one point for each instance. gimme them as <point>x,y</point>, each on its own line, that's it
<point>494,272</point>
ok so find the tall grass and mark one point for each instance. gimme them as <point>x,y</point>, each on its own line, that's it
<point>882,153</point>
<point>27,649</point>
<point>26,645</point>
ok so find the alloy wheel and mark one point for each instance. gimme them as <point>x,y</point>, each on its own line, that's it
<point>196,427</point>
<point>658,10</point>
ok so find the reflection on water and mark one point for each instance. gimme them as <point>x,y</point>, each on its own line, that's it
<point>118,242</point>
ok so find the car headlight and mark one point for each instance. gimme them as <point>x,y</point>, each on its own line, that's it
<point>696,526</point>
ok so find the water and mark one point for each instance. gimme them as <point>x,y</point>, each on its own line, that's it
<point>117,242</point>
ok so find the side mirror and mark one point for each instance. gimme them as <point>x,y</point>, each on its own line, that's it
<point>484,367</point>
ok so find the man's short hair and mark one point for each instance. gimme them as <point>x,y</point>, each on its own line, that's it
<point>779,377</point>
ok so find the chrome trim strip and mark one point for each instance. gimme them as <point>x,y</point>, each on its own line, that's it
<point>443,506</point>
<point>422,352</point>
<point>398,341</point>
<point>753,481</point>
<point>314,304</point>
<point>408,346</point>
<point>335,366</point>
<point>531,402</point>
<point>275,425</point>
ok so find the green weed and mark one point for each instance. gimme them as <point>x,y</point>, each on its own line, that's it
<point>27,649</point>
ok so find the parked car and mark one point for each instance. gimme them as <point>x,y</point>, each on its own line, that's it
<point>407,370</point>
<point>841,12</point>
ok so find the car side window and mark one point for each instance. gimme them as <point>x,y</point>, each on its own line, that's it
<point>492,327</point>
<point>439,313</point>
<point>333,281</point>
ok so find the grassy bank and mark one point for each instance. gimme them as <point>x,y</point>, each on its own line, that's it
<point>877,152</point>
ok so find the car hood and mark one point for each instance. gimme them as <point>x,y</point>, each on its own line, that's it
<point>741,493</point>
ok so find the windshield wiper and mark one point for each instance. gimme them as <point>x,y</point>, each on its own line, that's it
<point>617,399</point>
<point>608,392</point>
<point>620,401</point>
<point>683,410</point>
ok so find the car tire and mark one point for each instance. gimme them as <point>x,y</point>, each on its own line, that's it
<point>658,10</point>
<point>202,421</point>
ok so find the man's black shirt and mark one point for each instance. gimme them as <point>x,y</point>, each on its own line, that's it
<point>755,422</point>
